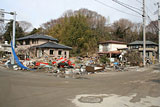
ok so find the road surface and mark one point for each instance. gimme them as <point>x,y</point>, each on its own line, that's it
<point>113,89</point>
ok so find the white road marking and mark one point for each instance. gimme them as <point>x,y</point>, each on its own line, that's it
<point>112,100</point>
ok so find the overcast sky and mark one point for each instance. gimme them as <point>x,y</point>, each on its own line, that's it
<point>38,12</point>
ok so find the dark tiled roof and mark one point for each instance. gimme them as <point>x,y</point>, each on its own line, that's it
<point>112,41</point>
<point>53,45</point>
<point>141,43</point>
<point>37,36</point>
<point>112,52</point>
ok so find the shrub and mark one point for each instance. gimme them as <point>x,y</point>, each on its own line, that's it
<point>103,59</point>
<point>134,58</point>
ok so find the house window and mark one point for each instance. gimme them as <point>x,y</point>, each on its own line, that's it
<point>42,52</point>
<point>65,53</point>
<point>51,52</point>
<point>147,54</point>
<point>34,41</point>
<point>153,53</point>
<point>59,52</point>
<point>27,42</point>
<point>135,47</point>
<point>150,46</point>
<point>21,42</point>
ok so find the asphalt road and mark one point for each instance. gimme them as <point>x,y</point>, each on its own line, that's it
<point>112,89</point>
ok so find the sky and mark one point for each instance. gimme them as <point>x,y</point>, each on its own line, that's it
<point>38,12</point>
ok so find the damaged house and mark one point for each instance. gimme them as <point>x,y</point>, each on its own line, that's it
<point>39,45</point>
<point>5,49</point>
<point>113,49</point>
<point>151,48</point>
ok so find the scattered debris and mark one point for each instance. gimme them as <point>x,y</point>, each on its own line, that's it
<point>70,68</point>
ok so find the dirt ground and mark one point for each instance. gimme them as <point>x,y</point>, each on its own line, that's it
<point>112,89</point>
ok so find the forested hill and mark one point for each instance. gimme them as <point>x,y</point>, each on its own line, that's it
<point>84,29</point>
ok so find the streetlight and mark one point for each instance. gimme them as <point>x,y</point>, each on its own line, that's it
<point>2,14</point>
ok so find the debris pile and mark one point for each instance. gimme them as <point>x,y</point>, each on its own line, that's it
<point>61,67</point>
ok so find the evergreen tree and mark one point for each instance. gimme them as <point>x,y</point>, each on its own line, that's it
<point>9,31</point>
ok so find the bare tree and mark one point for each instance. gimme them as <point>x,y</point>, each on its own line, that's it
<point>25,25</point>
<point>152,27</point>
<point>123,29</point>
<point>2,28</point>
<point>124,24</point>
<point>2,31</point>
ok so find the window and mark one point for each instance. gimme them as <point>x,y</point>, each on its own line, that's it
<point>51,52</point>
<point>150,46</point>
<point>147,54</point>
<point>153,53</point>
<point>27,42</point>
<point>65,53</point>
<point>135,46</point>
<point>59,52</point>
<point>42,52</point>
<point>34,41</point>
<point>21,42</point>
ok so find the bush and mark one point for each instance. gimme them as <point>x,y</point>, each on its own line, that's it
<point>103,59</point>
<point>134,58</point>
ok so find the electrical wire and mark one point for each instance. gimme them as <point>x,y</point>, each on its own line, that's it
<point>152,23</point>
<point>148,15</point>
<point>124,5</point>
<point>139,1</point>
<point>115,8</point>
<point>146,7</point>
<point>128,5</point>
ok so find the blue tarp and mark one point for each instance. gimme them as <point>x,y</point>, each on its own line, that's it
<point>16,58</point>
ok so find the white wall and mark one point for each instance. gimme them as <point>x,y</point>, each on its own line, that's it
<point>100,48</point>
<point>111,47</point>
<point>114,47</point>
<point>5,47</point>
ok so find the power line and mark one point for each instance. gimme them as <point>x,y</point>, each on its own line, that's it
<point>139,1</point>
<point>124,5</point>
<point>152,23</point>
<point>146,7</point>
<point>115,8</point>
<point>152,5</point>
<point>148,10</point>
<point>127,5</point>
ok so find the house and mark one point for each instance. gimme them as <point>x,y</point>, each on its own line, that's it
<point>151,48</point>
<point>112,48</point>
<point>5,48</point>
<point>39,45</point>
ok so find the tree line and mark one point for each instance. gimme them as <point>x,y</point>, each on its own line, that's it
<point>84,29</point>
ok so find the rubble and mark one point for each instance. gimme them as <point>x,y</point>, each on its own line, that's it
<point>71,68</point>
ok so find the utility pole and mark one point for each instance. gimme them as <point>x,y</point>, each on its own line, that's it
<point>2,12</point>
<point>144,34</point>
<point>159,30</point>
<point>14,31</point>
